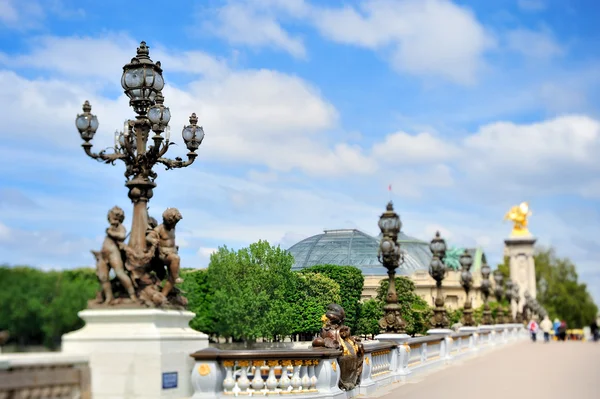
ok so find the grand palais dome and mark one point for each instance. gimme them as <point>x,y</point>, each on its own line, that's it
<point>350,247</point>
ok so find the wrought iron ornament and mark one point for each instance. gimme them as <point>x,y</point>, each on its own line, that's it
<point>486,288</point>
<point>390,256</point>
<point>437,270</point>
<point>151,253</point>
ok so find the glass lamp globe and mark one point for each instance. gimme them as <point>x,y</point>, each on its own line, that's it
<point>389,221</point>
<point>142,79</point>
<point>485,271</point>
<point>466,260</point>
<point>158,114</point>
<point>193,134</point>
<point>86,123</point>
<point>438,245</point>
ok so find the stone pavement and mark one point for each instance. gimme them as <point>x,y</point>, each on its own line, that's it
<point>557,370</point>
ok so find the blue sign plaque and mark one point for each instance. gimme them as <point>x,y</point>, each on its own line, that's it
<point>169,380</point>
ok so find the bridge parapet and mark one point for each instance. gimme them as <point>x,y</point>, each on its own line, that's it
<point>314,372</point>
<point>44,375</point>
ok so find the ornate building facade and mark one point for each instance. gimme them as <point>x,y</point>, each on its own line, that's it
<point>351,247</point>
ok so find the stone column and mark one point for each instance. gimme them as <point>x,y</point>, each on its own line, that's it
<point>520,251</point>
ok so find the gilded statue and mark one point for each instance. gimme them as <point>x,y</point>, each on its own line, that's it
<point>519,214</point>
<point>140,274</point>
<point>336,335</point>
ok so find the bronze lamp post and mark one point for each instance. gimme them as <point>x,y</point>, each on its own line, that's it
<point>390,256</point>
<point>527,307</point>
<point>499,293</point>
<point>437,270</point>
<point>466,280</point>
<point>517,298</point>
<point>508,294</point>
<point>142,81</point>
<point>486,290</point>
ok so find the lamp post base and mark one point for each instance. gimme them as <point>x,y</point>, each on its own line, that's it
<point>137,353</point>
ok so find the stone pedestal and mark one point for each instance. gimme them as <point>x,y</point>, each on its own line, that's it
<point>520,251</point>
<point>400,355</point>
<point>137,353</point>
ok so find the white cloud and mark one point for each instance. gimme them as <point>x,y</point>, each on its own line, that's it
<point>30,14</point>
<point>572,140</point>
<point>534,44</point>
<point>256,25</point>
<point>431,37</point>
<point>250,116</point>
<point>406,149</point>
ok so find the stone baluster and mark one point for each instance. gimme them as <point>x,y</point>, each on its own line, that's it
<point>229,381</point>
<point>284,382</point>
<point>243,382</point>
<point>424,352</point>
<point>296,379</point>
<point>257,382</point>
<point>272,382</point>
<point>305,376</point>
<point>313,375</point>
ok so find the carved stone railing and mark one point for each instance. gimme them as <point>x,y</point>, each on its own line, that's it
<point>314,372</point>
<point>301,372</point>
<point>44,376</point>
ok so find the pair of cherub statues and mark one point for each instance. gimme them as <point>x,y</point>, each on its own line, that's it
<point>336,335</point>
<point>138,273</point>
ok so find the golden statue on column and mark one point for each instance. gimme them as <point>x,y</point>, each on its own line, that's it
<point>519,214</point>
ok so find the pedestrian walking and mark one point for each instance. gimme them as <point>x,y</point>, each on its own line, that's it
<point>594,330</point>
<point>546,326</point>
<point>562,330</point>
<point>533,329</point>
<point>555,327</point>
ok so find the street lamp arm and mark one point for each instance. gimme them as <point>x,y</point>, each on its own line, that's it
<point>178,162</point>
<point>102,156</point>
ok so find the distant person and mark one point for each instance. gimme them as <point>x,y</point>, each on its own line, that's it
<point>562,331</point>
<point>555,327</point>
<point>546,326</point>
<point>533,329</point>
<point>594,330</point>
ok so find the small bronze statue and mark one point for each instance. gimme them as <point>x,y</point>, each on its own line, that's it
<point>167,250</point>
<point>140,272</point>
<point>335,335</point>
<point>110,256</point>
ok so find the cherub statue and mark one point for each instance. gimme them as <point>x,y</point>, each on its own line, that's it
<point>336,335</point>
<point>519,214</point>
<point>110,256</point>
<point>167,250</point>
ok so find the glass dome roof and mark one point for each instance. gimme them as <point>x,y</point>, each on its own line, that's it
<point>352,247</point>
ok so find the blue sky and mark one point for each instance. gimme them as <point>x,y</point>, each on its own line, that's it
<point>310,110</point>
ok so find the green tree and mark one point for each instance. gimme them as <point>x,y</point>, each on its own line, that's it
<point>312,293</point>
<point>71,291</point>
<point>504,268</point>
<point>370,311</point>
<point>559,290</point>
<point>415,310</point>
<point>251,287</point>
<point>350,280</point>
<point>199,293</point>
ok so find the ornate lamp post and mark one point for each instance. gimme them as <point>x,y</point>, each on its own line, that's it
<point>527,307</point>
<point>517,297</point>
<point>466,280</point>
<point>437,270</point>
<point>508,294</point>
<point>142,81</point>
<point>499,293</point>
<point>390,256</point>
<point>486,290</point>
